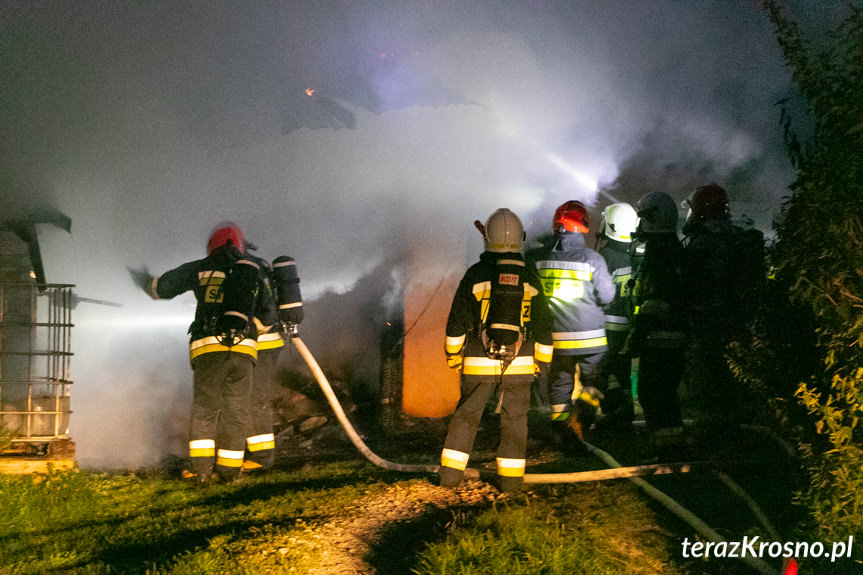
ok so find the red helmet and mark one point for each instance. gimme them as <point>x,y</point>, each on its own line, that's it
<point>571,216</point>
<point>708,202</point>
<point>223,234</point>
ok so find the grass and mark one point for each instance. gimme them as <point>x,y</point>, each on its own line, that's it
<point>77,522</point>
<point>599,528</point>
<point>150,524</point>
<point>110,523</point>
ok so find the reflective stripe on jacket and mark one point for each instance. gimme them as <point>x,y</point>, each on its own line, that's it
<point>468,312</point>
<point>205,277</point>
<point>576,281</point>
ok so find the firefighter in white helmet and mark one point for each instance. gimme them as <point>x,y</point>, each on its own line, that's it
<point>498,335</point>
<point>577,283</point>
<point>616,234</point>
<point>658,336</point>
<point>222,348</point>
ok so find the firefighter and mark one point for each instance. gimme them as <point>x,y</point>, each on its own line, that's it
<point>222,348</point>
<point>658,334</point>
<point>498,334</point>
<point>283,309</point>
<point>616,231</point>
<point>261,440</point>
<point>726,268</point>
<point>576,281</point>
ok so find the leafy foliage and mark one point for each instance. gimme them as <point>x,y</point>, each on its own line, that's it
<point>818,262</point>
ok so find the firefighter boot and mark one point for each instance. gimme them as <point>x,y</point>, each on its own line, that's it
<point>509,484</point>
<point>618,410</point>
<point>568,436</point>
<point>669,444</point>
<point>449,477</point>
<point>194,478</point>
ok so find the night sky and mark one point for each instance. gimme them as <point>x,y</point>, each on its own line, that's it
<point>350,135</point>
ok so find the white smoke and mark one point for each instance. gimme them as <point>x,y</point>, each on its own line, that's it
<point>342,134</point>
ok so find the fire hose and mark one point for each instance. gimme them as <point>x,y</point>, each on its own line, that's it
<point>614,471</point>
<point>357,441</point>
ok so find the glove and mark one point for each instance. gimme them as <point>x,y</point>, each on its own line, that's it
<point>454,361</point>
<point>590,395</point>
<point>142,278</point>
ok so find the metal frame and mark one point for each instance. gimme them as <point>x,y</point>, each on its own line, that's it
<point>35,356</point>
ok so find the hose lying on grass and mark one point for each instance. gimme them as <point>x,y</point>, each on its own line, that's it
<point>615,470</point>
<point>597,475</point>
<point>693,520</point>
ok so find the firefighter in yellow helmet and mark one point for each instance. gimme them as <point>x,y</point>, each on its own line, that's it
<point>577,283</point>
<point>222,348</point>
<point>498,335</point>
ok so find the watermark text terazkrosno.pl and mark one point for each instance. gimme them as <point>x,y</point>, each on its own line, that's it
<point>754,547</point>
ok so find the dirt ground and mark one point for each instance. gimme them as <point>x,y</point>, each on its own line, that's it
<point>345,542</point>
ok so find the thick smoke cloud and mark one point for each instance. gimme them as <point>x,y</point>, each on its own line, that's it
<point>347,135</point>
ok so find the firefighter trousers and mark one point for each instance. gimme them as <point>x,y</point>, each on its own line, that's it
<point>562,378</point>
<point>514,400</point>
<point>261,442</point>
<point>220,412</point>
<point>659,374</point>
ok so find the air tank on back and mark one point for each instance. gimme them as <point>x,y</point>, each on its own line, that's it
<point>286,282</point>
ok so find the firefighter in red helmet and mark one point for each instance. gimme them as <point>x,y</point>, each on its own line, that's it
<point>577,283</point>
<point>726,269</point>
<point>222,347</point>
<point>498,334</point>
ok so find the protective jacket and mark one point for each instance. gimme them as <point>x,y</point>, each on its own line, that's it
<point>577,283</point>
<point>205,277</point>
<point>725,266</point>
<point>660,297</point>
<point>617,313</point>
<point>468,312</point>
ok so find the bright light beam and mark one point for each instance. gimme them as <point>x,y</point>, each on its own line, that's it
<point>580,177</point>
<point>583,179</point>
<point>139,322</point>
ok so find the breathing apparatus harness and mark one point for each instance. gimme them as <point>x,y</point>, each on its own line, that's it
<point>238,295</point>
<point>503,331</point>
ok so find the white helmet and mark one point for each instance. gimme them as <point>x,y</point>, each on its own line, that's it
<point>618,222</point>
<point>503,232</point>
<point>657,213</point>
